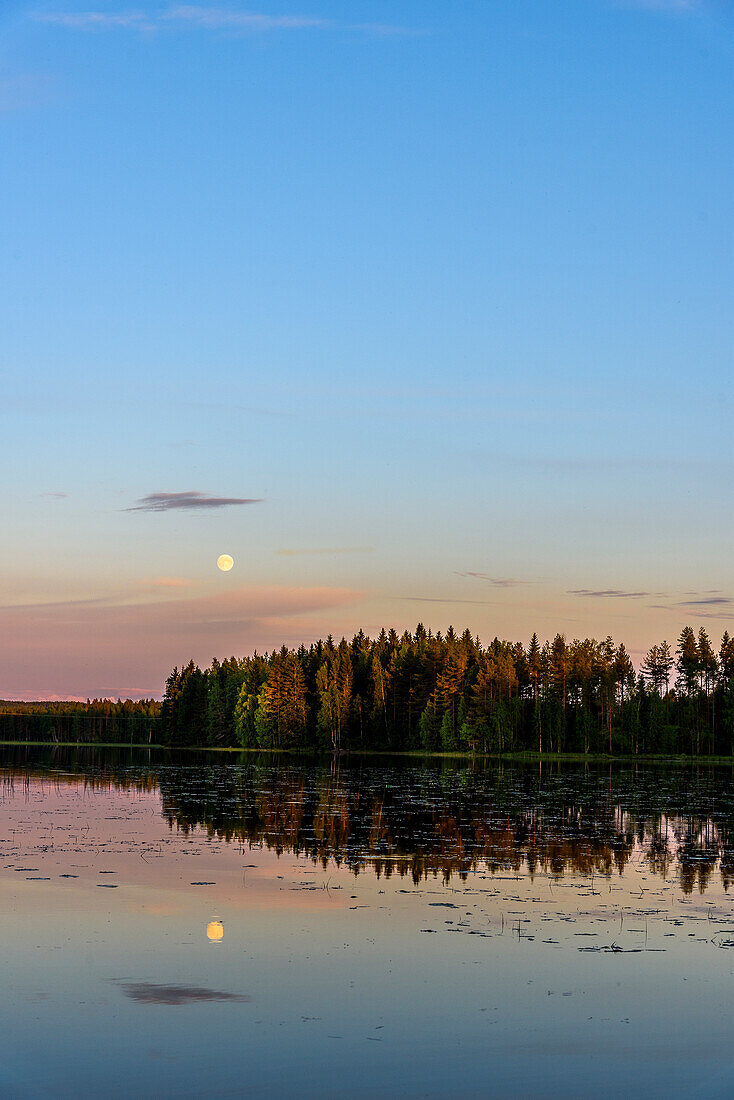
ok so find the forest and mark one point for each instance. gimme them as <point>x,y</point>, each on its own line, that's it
<point>424,692</point>
<point>95,721</point>
<point>448,693</point>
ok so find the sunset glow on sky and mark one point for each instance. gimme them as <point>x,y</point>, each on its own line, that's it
<point>421,311</point>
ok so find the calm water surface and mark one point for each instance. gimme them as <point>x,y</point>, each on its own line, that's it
<point>253,926</point>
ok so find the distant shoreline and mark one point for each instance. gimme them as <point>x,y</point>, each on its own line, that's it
<point>417,754</point>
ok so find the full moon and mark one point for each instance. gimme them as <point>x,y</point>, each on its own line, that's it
<point>225,562</point>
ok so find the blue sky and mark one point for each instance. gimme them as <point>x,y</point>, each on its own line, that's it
<point>446,288</point>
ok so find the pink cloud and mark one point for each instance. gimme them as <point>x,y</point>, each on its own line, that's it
<point>46,696</point>
<point>90,649</point>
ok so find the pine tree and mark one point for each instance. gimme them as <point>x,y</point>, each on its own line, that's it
<point>534,664</point>
<point>687,662</point>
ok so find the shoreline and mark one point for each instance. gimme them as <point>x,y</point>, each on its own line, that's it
<point>415,754</point>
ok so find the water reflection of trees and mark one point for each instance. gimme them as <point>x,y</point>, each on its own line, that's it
<point>421,823</point>
<point>437,818</point>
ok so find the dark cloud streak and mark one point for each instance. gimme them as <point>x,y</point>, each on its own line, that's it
<point>708,601</point>
<point>610,594</point>
<point>192,499</point>
<point>498,582</point>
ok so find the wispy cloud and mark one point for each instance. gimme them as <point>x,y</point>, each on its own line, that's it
<point>212,19</point>
<point>708,601</point>
<point>150,993</point>
<point>191,499</point>
<point>326,550</point>
<point>99,20</point>
<point>227,19</point>
<point>498,582</point>
<point>242,604</point>
<point>442,599</point>
<point>100,647</point>
<point>166,582</point>
<point>610,594</point>
<point>702,610</point>
<point>41,695</point>
<point>54,496</point>
<point>49,605</point>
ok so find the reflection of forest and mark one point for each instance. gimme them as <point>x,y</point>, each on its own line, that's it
<point>436,818</point>
<point>417,824</point>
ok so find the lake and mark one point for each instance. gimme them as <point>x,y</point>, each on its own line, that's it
<point>237,925</point>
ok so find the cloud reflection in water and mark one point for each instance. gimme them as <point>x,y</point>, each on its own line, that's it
<point>150,993</point>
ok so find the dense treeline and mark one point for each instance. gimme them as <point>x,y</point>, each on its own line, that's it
<point>96,720</point>
<point>448,693</point>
